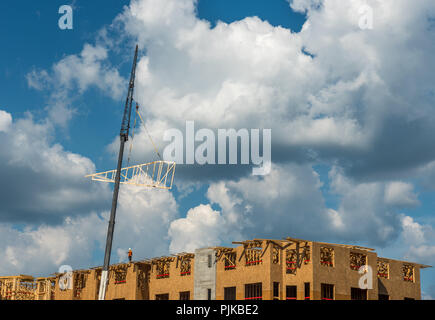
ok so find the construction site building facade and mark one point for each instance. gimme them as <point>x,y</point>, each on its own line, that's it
<point>259,269</point>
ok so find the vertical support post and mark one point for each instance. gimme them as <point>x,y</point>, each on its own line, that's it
<point>298,256</point>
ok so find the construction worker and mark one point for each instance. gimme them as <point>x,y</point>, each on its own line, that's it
<point>130,254</point>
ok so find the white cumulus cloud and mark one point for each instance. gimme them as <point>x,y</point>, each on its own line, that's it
<point>201,227</point>
<point>400,194</point>
<point>5,121</point>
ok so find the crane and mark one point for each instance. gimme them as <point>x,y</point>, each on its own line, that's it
<point>125,128</point>
<point>157,174</point>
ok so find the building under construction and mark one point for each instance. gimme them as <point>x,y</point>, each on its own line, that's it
<point>259,269</point>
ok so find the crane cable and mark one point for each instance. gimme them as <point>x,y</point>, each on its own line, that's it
<point>146,130</point>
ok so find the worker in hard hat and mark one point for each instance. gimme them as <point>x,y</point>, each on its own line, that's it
<point>130,254</point>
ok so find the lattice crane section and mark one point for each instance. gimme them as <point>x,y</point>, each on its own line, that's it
<point>156,174</point>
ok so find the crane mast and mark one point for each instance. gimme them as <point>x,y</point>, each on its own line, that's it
<point>125,128</point>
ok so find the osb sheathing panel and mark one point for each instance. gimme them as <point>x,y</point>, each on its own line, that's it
<point>44,289</point>
<point>396,287</point>
<point>62,294</point>
<point>341,275</point>
<point>90,291</point>
<point>243,274</point>
<point>344,278</point>
<point>303,274</point>
<point>126,290</point>
<point>174,284</point>
<point>267,273</point>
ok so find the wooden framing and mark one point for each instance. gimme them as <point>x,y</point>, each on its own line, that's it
<point>408,272</point>
<point>120,273</point>
<point>230,260</point>
<point>300,254</point>
<point>162,266</point>
<point>220,251</point>
<point>357,260</point>
<point>80,278</point>
<point>252,250</point>
<point>184,260</point>
<point>275,254</point>
<point>229,255</point>
<point>327,256</point>
<point>287,264</point>
<point>291,261</point>
<point>22,287</point>
<point>383,269</point>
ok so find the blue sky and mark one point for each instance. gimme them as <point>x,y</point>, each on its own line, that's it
<point>339,120</point>
<point>34,41</point>
<point>99,116</point>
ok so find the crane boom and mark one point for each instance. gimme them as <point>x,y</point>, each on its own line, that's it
<point>125,128</point>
